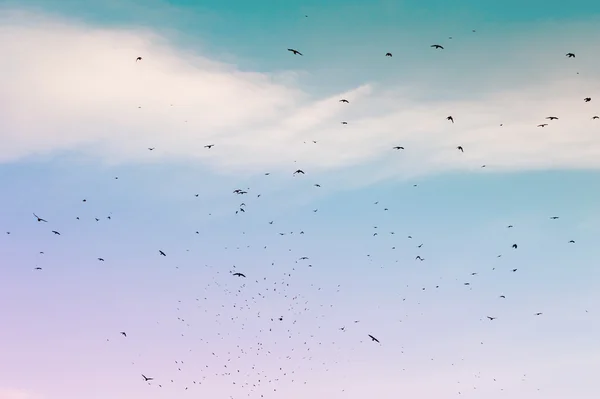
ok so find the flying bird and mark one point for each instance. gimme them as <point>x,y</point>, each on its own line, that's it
<point>343,100</point>
<point>437,46</point>
<point>56,232</point>
<point>294,51</point>
<point>514,246</point>
<point>554,217</point>
<point>570,55</point>
<point>101,259</point>
<point>595,117</point>
<point>39,219</point>
<point>299,171</point>
<point>398,148</point>
<point>123,333</point>
<point>552,118</point>
<point>542,125</point>
<point>209,146</point>
<point>373,339</point>
<point>491,318</point>
<point>388,54</point>
<point>147,378</point>
<point>587,99</point>
<point>239,274</point>
<point>138,59</point>
<point>450,118</point>
<point>460,148</point>
<point>162,253</point>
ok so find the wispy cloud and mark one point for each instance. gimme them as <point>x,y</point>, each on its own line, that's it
<point>70,87</point>
<point>6,393</point>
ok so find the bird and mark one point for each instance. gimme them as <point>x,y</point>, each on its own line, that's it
<point>162,253</point>
<point>552,118</point>
<point>343,100</point>
<point>460,148</point>
<point>101,259</point>
<point>123,333</point>
<point>587,99</point>
<point>209,146</point>
<point>151,148</point>
<point>554,217</point>
<point>294,51</point>
<point>37,268</point>
<point>398,148</point>
<point>542,125</point>
<point>419,258</point>
<point>299,171</point>
<point>344,123</point>
<point>373,339</point>
<point>39,219</point>
<point>503,296</point>
<point>147,378</point>
<point>437,46</point>
<point>538,314</point>
<point>239,274</point>
<point>570,55</point>
<point>514,246</point>
<point>491,318</point>
<point>572,242</point>
<point>595,117</point>
<point>388,54</point>
<point>56,232</point>
<point>450,118</point>
<point>138,59</point>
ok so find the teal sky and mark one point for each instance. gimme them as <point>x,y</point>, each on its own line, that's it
<point>78,114</point>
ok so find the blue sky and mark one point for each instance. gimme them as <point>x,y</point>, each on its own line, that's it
<point>77,111</point>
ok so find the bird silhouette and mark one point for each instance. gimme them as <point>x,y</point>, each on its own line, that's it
<point>373,339</point>
<point>460,148</point>
<point>450,118</point>
<point>239,274</point>
<point>296,52</point>
<point>437,46</point>
<point>39,219</point>
<point>388,54</point>
<point>570,55</point>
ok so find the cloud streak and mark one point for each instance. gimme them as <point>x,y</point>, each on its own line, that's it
<point>70,87</point>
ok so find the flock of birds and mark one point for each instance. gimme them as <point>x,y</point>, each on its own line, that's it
<point>255,380</point>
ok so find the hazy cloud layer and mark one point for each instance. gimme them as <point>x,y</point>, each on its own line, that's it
<point>67,87</point>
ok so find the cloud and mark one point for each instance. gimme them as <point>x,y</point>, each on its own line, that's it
<point>68,87</point>
<point>17,394</point>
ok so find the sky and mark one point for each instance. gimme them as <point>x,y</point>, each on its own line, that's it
<point>329,256</point>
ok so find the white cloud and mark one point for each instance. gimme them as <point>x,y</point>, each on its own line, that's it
<point>68,87</point>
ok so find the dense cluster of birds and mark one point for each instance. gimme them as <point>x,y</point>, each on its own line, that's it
<point>249,291</point>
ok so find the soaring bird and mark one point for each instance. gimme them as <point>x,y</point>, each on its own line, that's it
<point>552,118</point>
<point>294,51</point>
<point>450,118</point>
<point>209,146</point>
<point>491,318</point>
<point>343,100</point>
<point>373,338</point>
<point>460,148</point>
<point>554,217</point>
<point>147,378</point>
<point>388,54</point>
<point>572,242</point>
<point>101,259</point>
<point>138,59</point>
<point>570,55</point>
<point>514,246</point>
<point>39,219</point>
<point>542,125</point>
<point>437,46</point>
<point>398,148</point>
<point>344,123</point>
<point>56,232</point>
<point>299,171</point>
<point>162,253</point>
<point>587,99</point>
<point>239,274</point>
<point>123,333</point>
<point>538,314</point>
<point>151,148</point>
<point>595,117</point>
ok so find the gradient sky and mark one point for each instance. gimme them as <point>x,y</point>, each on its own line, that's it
<point>77,111</point>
